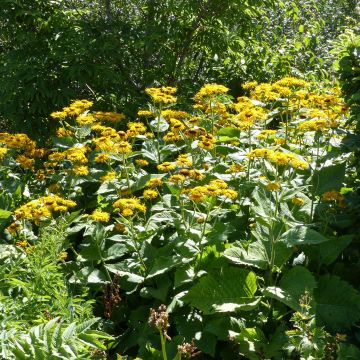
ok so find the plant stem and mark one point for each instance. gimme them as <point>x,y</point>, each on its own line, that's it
<point>163,345</point>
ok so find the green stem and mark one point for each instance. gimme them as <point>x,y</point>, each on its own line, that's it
<point>163,345</point>
<point>135,243</point>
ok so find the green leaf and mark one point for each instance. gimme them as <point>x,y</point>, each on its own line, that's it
<point>231,289</point>
<point>229,132</point>
<point>302,235</point>
<point>91,341</point>
<point>252,341</point>
<point>164,264</point>
<point>329,178</point>
<point>292,286</point>
<point>4,214</point>
<point>330,250</point>
<point>337,303</point>
<point>255,255</point>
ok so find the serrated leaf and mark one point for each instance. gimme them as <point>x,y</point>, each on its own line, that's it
<point>337,303</point>
<point>68,332</point>
<point>91,341</point>
<point>231,285</point>
<point>86,325</point>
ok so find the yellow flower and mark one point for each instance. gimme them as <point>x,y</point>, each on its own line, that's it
<point>293,82</point>
<point>177,178</point>
<point>332,196</point>
<point>3,152</point>
<point>196,174</point>
<point>145,113</point>
<point>176,126</point>
<point>81,170</point>
<point>109,116</point>
<point>298,201</point>
<point>171,136</point>
<point>183,160</point>
<point>220,184</point>
<point>102,158</point>
<point>127,212</point>
<point>229,193</point>
<point>59,115</point>
<point>162,95</point>
<point>110,175</point>
<point>235,168</point>
<point>173,114</point>
<point>150,194</point>
<point>198,193</point>
<point>273,186</point>
<point>249,85</point>
<point>152,183</point>
<point>14,228</point>
<point>166,166</point>
<point>123,147</point>
<point>141,162</point>
<point>25,162</point>
<point>85,119</point>
<point>137,127</point>
<point>210,90</point>
<point>99,215</point>
<point>22,243</point>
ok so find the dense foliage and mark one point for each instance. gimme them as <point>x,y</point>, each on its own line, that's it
<point>52,52</point>
<point>220,232</point>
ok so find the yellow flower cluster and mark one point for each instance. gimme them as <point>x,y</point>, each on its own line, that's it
<point>215,188</point>
<point>17,141</point>
<point>101,216</point>
<point>210,90</point>
<point>76,108</point>
<point>332,196</point>
<point>316,125</point>
<point>174,114</point>
<point>43,208</point>
<point>128,206</point>
<point>278,157</point>
<point>280,89</point>
<point>162,95</point>
<point>108,116</point>
<point>21,143</point>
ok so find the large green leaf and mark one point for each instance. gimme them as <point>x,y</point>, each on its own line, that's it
<point>255,255</point>
<point>230,290</point>
<point>329,178</point>
<point>337,303</point>
<point>292,286</point>
<point>302,235</point>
